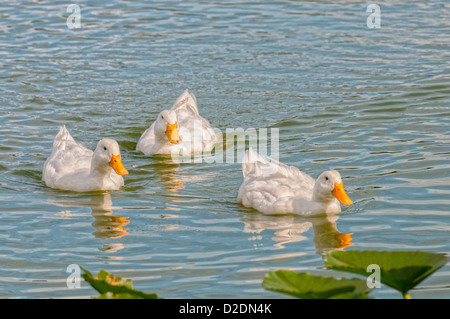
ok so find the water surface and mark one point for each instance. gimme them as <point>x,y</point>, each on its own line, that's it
<point>371,103</point>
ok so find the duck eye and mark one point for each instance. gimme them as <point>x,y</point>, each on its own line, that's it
<point>326,177</point>
<point>104,148</point>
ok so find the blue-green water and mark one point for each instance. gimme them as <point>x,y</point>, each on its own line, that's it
<point>371,103</point>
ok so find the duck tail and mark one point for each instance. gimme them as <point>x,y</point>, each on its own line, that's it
<point>62,136</point>
<point>257,164</point>
<point>250,162</point>
<point>186,101</point>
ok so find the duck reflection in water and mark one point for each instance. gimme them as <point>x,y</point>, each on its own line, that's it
<point>293,228</point>
<point>106,224</point>
<point>168,172</point>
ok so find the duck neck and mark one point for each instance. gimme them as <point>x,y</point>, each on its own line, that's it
<point>322,199</point>
<point>99,170</point>
<point>161,140</point>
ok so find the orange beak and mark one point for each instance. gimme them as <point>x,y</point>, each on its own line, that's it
<point>340,194</point>
<point>172,133</point>
<point>344,240</point>
<point>117,165</point>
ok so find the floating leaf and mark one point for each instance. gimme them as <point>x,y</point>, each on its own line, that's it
<point>110,295</point>
<point>111,287</point>
<point>307,286</point>
<point>401,270</point>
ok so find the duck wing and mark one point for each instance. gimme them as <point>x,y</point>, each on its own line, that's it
<point>190,120</point>
<point>256,165</point>
<point>66,158</point>
<point>186,102</point>
<point>270,186</point>
<point>147,140</point>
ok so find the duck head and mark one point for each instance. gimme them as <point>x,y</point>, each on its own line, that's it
<point>329,186</point>
<point>167,126</point>
<point>107,156</point>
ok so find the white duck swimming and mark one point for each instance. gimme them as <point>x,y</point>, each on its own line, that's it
<point>274,188</point>
<point>71,166</point>
<point>178,131</point>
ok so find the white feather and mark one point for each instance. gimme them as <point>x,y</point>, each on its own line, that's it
<point>69,166</point>
<point>195,131</point>
<point>275,188</point>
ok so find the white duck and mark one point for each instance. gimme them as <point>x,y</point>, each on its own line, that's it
<point>178,131</point>
<point>71,166</point>
<point>274,188</point>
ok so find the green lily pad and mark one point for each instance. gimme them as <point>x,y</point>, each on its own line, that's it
<point>401,270</point>
<point>112,287</point>
<point>111,295</point>
<point>307,286</point>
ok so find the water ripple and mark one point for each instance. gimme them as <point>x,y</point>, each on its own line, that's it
<point>371,103</point>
